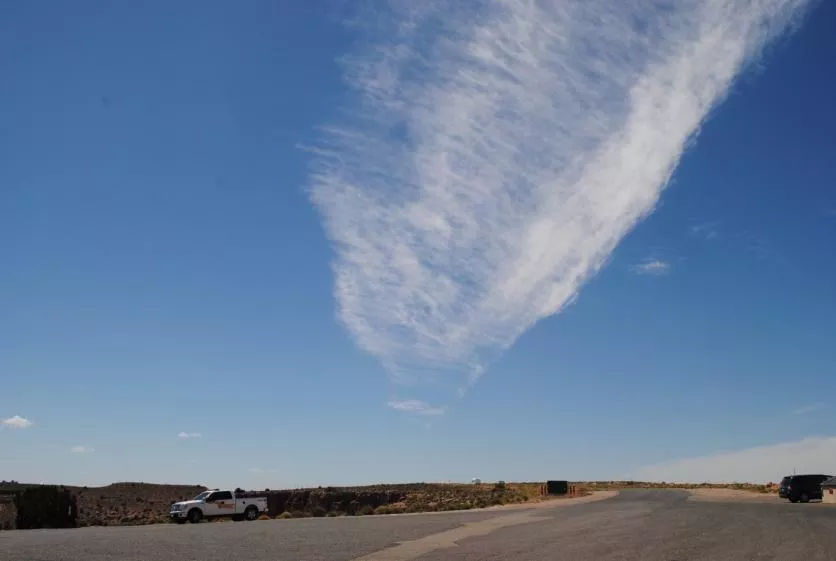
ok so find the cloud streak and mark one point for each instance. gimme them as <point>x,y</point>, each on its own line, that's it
<point>706,230</point>
<point>415,406</point>
<point>755,465</point>
<point>498,151</point>
<point>805,409</point>
<point>652,267</point>
<point>81,450</point>
<point>185,435</point>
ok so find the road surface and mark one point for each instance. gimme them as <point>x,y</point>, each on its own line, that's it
<point>642,524</point>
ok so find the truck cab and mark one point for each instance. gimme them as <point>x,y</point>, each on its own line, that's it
<point>216,502</point>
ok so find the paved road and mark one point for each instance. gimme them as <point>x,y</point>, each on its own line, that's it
<point>645,525</point>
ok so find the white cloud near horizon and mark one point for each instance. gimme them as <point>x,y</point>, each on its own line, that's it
<point>415,406</point>
<point>498,151</point>
<point>16,422</point>
<point>760,464</point>
<point>82,450</point>
<point>185,435</point>
<point>652,267</point>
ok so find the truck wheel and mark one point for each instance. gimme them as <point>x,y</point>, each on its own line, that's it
<point>251,513</point>
<point>805,498</point>
<point>195,515</point>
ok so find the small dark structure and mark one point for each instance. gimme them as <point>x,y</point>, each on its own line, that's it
<point>8,512</point>
<point>40,506</point>
<point>828,490</point>
<point>557,487</point>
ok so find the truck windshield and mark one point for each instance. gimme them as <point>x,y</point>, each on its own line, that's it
<point>202,496</point>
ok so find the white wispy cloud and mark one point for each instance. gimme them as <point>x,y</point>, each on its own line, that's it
<point>16,422</point>
<point>415,406</point>
<point>706,230</point>
<point>255,470</point>
<point>190,435</point>
<point>652,267</point>
<point>758,244</point>
<point>754,465</point>
<point>810,408</point>
<point>81,450</point>
<point>499,150</point>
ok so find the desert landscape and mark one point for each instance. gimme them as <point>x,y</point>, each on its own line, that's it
<point>138,503</point>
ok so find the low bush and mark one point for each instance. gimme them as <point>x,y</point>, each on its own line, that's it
<point>284,516</point>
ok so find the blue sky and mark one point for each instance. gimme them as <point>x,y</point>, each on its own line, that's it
<point>277,244</point>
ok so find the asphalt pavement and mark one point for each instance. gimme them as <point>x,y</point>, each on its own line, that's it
<point>643,525</point>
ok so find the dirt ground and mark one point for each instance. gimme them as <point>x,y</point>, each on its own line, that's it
<point>732,495</point>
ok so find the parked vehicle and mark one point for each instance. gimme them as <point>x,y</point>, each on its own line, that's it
<point>803,488</point>
<point>214,503</point>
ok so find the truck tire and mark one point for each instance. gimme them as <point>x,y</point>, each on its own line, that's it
<point>195,515</point>
<point>805,498</point>
<point>251,513</point>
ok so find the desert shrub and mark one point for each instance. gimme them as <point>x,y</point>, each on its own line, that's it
<point>264,517</point>
<point>332,514</point>
<point>300,514</point>
<point>284,516</point>
<point>318,512</point>
<point>365,510</point>
<point>391,509</point>
<point>500,486</point>
<point>453,506</point>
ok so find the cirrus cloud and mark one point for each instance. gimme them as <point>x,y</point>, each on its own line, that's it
<point>652,267</point>
<point>498,151</point>
<point>810,408</point>
<point>415,406</point>
<point>81,450</point>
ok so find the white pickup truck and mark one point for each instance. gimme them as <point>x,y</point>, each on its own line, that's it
<point>214,503</point>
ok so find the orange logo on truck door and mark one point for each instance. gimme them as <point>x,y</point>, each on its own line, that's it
<point>225,505</point>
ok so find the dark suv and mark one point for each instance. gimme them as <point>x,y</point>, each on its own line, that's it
<point>802,488</point>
